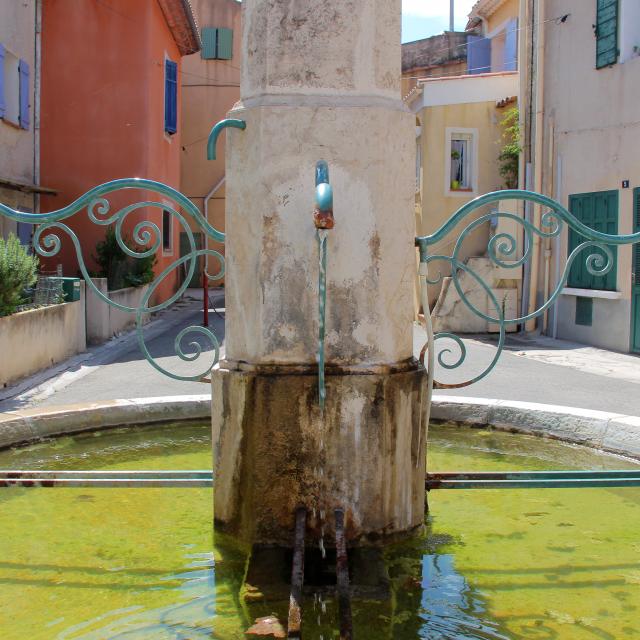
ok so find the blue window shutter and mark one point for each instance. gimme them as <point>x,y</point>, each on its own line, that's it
<point>23,72</point>
<point>171,96</point>
<point>511,46</point>
<point>2,107</point>
<point>209,43</point>
<point>478,54</point>
<point>225,44</point>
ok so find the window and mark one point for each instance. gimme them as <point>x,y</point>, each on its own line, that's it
<point>170,96</point>
<point>14,89</point>
<point>167,232</point>
<point>606,31</point>
<point>597,211</point>
<point>461,163</point>
<point>217,44</point>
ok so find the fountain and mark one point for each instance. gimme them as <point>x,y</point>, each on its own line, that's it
<point>320,82</point>
<point>319,409</point>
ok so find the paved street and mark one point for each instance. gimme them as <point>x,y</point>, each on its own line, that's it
<point>532,370</point>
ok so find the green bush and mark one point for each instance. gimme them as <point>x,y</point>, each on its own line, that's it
<point>17,271</point>
<point>120,269</point>
<point>509,157</point>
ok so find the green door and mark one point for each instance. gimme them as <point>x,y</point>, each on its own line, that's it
<point>635,278</point>
<point>185,248</point>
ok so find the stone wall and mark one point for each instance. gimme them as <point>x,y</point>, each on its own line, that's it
<point>39,338</point>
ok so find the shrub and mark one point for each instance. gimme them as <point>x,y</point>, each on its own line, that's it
<point>17,271</point>
<point>120,269</point>
<point>509,157</point>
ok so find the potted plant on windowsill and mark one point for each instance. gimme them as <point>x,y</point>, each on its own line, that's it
<point>455,184</point>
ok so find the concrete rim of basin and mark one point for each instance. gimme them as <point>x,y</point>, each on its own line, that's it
<point>610,432</point>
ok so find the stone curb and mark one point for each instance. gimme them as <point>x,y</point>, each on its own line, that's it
<point>611,432</point>
<point>21,426</point>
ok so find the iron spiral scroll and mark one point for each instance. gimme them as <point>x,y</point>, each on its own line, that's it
<point>595,250</point>
<point>146,236</point>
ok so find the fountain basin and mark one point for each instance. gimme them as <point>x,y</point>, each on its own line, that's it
<point>106,563</point>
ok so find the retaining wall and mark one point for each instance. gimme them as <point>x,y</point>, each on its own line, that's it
<point>105,321</point>
<point>39,338</point>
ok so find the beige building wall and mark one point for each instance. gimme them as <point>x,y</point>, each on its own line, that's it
<point>17,146</point>
<point>210,88</point>
<point>447,106</point>
<point>592,135</point>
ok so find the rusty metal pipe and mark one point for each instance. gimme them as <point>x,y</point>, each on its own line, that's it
<point>342,576</point>
<point>294,625</point>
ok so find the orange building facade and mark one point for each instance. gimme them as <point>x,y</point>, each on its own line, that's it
<point>110,108</point>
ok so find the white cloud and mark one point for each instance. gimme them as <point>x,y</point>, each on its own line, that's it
<point>435,8</point>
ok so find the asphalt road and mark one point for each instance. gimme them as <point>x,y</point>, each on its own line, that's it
<point>119,373</point>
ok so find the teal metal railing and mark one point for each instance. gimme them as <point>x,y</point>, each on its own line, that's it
<point>595,250</point>
<point>147,238</point>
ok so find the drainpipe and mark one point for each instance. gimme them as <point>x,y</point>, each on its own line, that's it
<point>547,241</point>
<point>557,246</point>
<point>37,74</point>
<point>537,157</point>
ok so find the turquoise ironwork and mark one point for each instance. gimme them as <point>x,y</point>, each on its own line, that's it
<point>322,304</point>
<point>323,218</point>
<point>499,248</point>
<point>147,236</point>
<point>217,130</point>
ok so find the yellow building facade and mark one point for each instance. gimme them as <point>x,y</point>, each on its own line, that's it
<point>459,138</point>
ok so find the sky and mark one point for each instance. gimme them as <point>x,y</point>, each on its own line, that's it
<point>424,18</point>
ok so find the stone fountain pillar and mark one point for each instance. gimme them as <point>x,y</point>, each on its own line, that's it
<point>320,81</point>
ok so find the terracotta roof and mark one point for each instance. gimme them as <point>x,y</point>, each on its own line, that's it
<point>181,20</point>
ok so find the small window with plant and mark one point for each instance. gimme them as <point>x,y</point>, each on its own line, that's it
<point>461,179</point>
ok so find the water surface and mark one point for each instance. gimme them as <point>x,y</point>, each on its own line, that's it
<point>92,564</point>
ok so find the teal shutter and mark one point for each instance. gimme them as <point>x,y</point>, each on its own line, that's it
<point>217,43</point>
<point>2,107</point>
<point>606,33</point>
<point>225,44</point>
<point>636,229</point>
<point>598,211</point>
<point>584,311</point>
<point>209,40</point>
<point>24,85</point>
<point>170,96</point>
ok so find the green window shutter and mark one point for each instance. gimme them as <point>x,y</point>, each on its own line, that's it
<point>209,40</point>
<point>225,44</point>
<point>598,211</point>
<point>217,43</point>
<point>636,228</point>
<point>606,33</point>
<point>584,311</point>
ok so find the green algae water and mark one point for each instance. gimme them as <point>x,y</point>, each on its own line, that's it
<point>97,564</point>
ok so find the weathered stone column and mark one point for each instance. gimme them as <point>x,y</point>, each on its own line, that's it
<point>320,81</point>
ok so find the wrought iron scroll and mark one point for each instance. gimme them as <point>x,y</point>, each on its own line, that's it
<point>147,237</point>
<point>595,250</point>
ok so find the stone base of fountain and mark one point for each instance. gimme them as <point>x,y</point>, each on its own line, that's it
<point>275,451</point>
